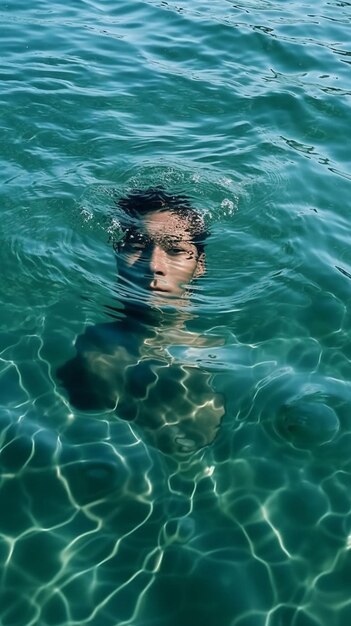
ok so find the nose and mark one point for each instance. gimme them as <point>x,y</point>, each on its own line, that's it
<point>158,261</point>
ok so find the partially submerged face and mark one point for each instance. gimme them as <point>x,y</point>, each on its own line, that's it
<point>160,254</point>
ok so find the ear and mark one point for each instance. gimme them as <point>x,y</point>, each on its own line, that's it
<point>201,266</point>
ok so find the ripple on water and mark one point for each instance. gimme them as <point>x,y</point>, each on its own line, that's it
<point>244,107</point>
<point>307,423</point>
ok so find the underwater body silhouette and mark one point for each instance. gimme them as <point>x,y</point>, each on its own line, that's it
<point>126,365</point>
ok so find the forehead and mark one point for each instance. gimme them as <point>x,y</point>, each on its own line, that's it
<point>165,224</point>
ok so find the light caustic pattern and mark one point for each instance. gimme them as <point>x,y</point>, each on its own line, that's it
<point>98,527</point>
<point>244,107</point>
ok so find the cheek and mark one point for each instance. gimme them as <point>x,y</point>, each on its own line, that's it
<point>185,269</point>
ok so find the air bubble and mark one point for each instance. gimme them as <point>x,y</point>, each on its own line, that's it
<point>228,205</point>
<point>86,215</point>
<point>114,227</point>
<point>225,181</point>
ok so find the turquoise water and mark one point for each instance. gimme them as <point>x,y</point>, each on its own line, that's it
<point>245,107</point>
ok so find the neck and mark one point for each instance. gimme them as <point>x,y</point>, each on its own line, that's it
<point>147,319</point>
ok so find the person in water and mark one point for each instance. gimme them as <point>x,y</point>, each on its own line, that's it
<point>162,248</point>
<point>127,365</point>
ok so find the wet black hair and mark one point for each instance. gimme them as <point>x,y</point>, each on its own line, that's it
<point>140,202</point>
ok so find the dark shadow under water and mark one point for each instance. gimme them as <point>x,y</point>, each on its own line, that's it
<point>126,366</point>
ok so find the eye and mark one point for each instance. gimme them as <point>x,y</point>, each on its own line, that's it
<point>137,245</point>
<point>134,243</point>
<point>127,246</point>
<point>180,250</point>
<point>176,250</point>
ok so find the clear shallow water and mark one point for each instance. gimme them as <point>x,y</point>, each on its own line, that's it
<point>245,107</point>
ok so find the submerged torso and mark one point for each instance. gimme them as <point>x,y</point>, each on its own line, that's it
<point>131,367</point>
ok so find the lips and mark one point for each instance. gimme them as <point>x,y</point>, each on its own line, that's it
<point>155,287</point>
<point>158,290</point>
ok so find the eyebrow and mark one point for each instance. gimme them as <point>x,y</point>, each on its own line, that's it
<point>138,236</point>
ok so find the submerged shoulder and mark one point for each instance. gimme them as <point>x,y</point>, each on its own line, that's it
<point>101,337</point>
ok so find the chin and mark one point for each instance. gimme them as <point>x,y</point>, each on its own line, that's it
<point>168,301</point>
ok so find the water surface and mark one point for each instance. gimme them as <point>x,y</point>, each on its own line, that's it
<point>245,107</point>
